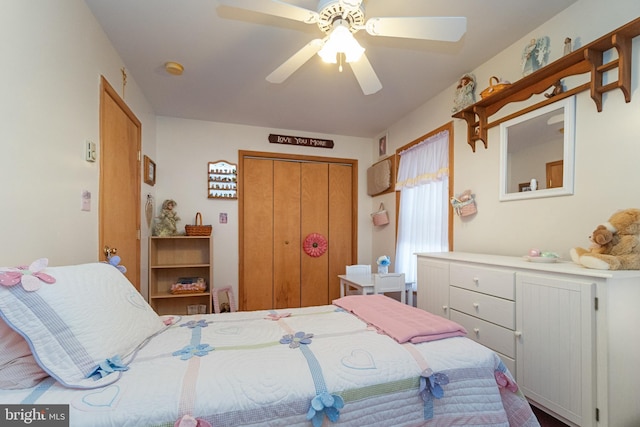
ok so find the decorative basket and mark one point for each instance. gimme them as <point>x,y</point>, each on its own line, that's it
<point>493,88</point>
<point>381,217</point>
<point>198,229</point>
<point>464,208</point>
<point>191,286</point>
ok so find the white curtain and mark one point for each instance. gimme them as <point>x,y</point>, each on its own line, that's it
<point>423,182</point>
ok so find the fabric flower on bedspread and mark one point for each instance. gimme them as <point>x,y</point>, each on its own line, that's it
<point>325,404</point>
<point>277,316</point>
<point>189,421</point>
<point>505,382</point>
<point>295,340</point>
<point>431,384</point>
<point>108,366</point>
<point>189,351</point>
<point>30,275</point>
<point>194,324</point>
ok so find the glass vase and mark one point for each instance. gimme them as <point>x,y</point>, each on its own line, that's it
<point>383,269</point>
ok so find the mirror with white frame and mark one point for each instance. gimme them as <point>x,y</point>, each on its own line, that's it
<point>537,152</point>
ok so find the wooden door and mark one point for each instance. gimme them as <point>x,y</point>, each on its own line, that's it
<point>256,234</point>
<point>119,209</point>
<point>315,219</point>
<point>282,199</point>
<point>286,234</point>
<point>555,172</point>
<point>342,223</point>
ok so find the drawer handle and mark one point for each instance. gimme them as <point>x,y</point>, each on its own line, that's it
<point>476,305</point>
<point>476,330</point>
<point>445,308</point>
<point>476,281</point>
<point>517,333</point>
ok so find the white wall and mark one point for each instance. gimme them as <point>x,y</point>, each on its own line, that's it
<point>53,54</point>
<point>184,148</point>
<point>607,150</point>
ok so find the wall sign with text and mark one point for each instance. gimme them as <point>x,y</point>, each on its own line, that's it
<point>300,140</point>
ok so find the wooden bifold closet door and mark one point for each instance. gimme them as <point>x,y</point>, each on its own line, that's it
<point>283,200</point>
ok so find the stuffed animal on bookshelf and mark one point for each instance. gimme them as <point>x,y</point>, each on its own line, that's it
<point>166,223</point>
<point>624,251</point>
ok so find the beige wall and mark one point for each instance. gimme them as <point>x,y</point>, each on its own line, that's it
<point>607,151</point>
<point>53,54</point>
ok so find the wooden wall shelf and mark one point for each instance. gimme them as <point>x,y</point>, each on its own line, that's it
<point>587,59</point>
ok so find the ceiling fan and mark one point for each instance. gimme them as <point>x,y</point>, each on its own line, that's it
<point>339,20</point>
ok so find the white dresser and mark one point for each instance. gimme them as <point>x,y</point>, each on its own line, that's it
<point>569,334</point>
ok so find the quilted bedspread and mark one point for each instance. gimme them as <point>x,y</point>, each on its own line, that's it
<point>300,367</point>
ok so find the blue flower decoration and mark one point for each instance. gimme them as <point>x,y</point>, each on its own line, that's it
<point>325,404</point>
<point>189,351</point>
<point>295,340</point>
<point>431,384</point>
<point>108,366</point>
<point>383,260</point>
<point>193,324</point>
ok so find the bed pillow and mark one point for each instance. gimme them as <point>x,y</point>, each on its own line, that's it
<point>18,368</point>
<point>90,317</point>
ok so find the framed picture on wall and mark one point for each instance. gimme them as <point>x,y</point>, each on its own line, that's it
<point>149,171</point>
<point>382,146</point>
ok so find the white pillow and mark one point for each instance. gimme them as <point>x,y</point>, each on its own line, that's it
<point>90,314</point>
<point>18,368</point>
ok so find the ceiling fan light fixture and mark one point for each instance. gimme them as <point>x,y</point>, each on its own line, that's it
<point>341,40</point>
<point>350,4</point>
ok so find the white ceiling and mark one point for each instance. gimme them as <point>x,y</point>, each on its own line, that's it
<point>228,52</point>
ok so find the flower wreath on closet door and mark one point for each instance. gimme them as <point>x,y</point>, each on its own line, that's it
<point>315,245</point>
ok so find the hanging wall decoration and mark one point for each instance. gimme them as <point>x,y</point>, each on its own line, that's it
<point>315,245</point>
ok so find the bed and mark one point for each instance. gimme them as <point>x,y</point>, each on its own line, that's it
<point>82,336</point>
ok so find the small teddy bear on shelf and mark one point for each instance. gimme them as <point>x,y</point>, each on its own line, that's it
<point>166,222</point>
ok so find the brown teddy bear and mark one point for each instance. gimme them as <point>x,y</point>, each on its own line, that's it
<point>621,249</point>
<point>602,241</point>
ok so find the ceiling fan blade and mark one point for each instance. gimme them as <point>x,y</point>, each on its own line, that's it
<point>276,8</point>
<point>366,76</point>
<point>296,61</point>
<point>445,28</point>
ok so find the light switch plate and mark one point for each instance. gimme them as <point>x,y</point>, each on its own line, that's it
<point>90,151</point>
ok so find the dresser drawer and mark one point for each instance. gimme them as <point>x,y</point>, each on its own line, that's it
<point>486,307</point>
<point>497,338</point>
<point>492,281</point>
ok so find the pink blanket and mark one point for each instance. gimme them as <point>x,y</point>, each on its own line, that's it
<point>400,321</point>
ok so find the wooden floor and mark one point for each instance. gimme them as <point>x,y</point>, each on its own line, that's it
<point>547,420</point>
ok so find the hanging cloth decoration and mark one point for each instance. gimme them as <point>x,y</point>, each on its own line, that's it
<point>315,245</point>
